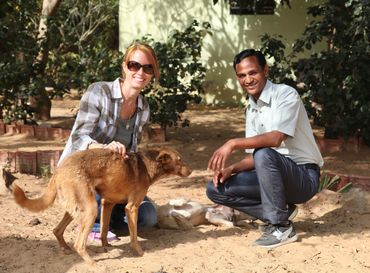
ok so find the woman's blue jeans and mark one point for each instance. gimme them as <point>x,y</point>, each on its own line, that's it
<point>267,191</point>
<point>147,215</point>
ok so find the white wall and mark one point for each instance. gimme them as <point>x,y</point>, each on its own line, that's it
<point>230,34</point>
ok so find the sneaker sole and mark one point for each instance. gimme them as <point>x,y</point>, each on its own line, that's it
<point>287,241</point>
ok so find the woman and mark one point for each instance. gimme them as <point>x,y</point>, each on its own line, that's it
<point>112,115</point>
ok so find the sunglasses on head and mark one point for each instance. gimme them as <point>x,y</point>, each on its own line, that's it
<point>135,67</point>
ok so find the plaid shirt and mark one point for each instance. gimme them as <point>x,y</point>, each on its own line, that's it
<point>98,116</point>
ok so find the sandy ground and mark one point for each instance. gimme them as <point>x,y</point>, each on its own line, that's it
<point>333,229</point>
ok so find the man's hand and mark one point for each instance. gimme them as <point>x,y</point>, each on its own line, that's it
<point>221,176</point>
<point>219,157</point>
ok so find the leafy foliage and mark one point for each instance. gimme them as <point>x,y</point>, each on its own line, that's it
<point>83,45</point>
<point>18,31</point>
<point>333,83</point>
<point>336,80</point>
<point>329,183</point>
<point>255,2</point>
<point>182,74</point>
<point>273,48</point>
<point>82,39</point>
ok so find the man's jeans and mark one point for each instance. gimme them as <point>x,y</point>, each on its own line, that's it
<point>266,192</point>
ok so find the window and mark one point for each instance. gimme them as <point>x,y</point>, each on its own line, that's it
<point>248,7</point>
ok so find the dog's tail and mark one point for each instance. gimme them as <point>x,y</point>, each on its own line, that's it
<point>40,203</point>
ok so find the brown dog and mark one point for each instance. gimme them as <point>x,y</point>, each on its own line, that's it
<point>115,179</point>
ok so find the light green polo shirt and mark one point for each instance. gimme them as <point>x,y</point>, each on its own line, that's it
<point>280,108</point>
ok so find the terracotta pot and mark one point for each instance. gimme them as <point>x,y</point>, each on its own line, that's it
<point>47,158</point>
<point>157,134</point>
<point>362,182</point>
<point>55,133</point>
<point>12,161</point>
<point>330,145</point>
<point>352,144</point>
<point>4,158</point>
<point>27,129</point>
<point>2,127</point>
<point>12,129</point>
<point>41,133</point>
<point>25,162</point>
<point>66,133</point>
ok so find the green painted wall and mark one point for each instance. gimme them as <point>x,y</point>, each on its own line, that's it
<point>230,34</point>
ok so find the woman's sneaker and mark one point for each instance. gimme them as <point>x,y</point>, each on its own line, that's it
<point>277,235</point>
<point>94,235</point>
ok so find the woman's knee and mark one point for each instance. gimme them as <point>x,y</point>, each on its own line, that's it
<point>147,215</point>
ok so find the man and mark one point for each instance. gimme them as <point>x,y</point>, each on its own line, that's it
<point>283,165</point>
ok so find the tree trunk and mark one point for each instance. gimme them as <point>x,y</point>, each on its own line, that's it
<point>41,102</point>
<point>48,9</point>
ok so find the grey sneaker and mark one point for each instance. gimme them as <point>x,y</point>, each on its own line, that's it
<point>293,211</point>
<point>275,236</point>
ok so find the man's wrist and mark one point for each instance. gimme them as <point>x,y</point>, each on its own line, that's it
<point>232,144</point>
<point>231,168</point>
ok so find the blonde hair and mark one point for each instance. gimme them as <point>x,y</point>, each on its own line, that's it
<point>148,50</point>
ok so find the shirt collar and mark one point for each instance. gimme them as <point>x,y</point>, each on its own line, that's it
<point>140,103</point>
<point>116,93</point>
<point>264,98</point>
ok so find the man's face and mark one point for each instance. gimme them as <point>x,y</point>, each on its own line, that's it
<point>251,76</point>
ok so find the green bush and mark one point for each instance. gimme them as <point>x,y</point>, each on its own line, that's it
<point>83,45</point>
<point>182,74</point>
<point>18,48</point>
<point>273,48</point>
<point>336,80</point>
<point>329,183</point>
<point>332,83</point>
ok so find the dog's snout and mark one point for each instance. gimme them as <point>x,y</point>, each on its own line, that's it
<point>185,171</point>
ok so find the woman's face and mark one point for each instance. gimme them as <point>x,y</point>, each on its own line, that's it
<point>138,70</point>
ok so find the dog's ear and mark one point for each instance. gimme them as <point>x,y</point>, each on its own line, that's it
<point>163,157</point>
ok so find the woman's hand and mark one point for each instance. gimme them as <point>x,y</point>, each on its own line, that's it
<point>117,147</point>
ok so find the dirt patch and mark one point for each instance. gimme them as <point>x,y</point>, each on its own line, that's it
<point>333,229</point>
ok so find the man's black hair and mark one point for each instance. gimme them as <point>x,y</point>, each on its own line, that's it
<point>248,53</point>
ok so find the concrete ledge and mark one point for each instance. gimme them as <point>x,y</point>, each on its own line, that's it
<point>351,144</point>
<point>39,132</point>
<point>34,162</point>
<point>29,162</point>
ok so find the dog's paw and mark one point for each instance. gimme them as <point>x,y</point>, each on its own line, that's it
<point>178,202</point>
<point>181,220</point>
<point>184,213</point>
<point>138,252</point>
<point>105,246</point>
<point>218,219</point>
<point>67,251</point>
